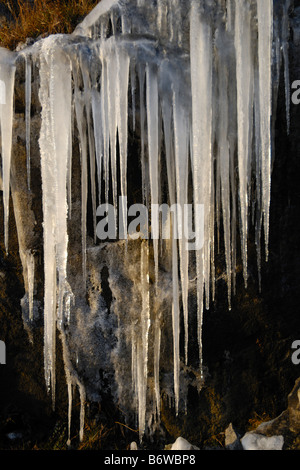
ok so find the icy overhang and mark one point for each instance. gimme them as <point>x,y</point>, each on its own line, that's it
<point>104,7</point>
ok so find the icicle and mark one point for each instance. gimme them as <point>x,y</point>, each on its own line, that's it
<point>69,178</point>
<point>81,125</point>
<point>230,15</point>
<point>70,399</point>
<point>152,124</point>
<point>176,323</point>
<point>82,395</point>
<point>201,79</point>
<point>134,366</point>
<point>7,78</point>
<point>55,98</point>
<point>123,64</point>
<point>113,96</point>
<point>98,132</point>
<point>84,67</point>
<point>170,159</point>
<point>133,91</point>
<point>265,38</point>
<point>143,340</point>
<point>244,77</point>
<point>30,279</point>
<point>258,193</point>
<point>105,125</point>
<point>141,77</point>
<point>157,343</point>
<point>181,135</point>
<point>27,112</point>
<point>285,49</point>
<point>224,155</point>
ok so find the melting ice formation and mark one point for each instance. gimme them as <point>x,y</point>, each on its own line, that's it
<point>198,80</point>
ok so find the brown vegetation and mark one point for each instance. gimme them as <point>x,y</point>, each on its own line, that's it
<point>31,19</point>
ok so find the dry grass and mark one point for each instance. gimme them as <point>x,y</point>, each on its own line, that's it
<point>42,17</point>
<point>257,420</point>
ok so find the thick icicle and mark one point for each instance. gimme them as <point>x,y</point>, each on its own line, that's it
<point>244,78</point>
<point>201,79</point>
<point>55,97</point>
<point>7,78</point>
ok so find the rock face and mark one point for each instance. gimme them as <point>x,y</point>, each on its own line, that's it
<point>246,350</point>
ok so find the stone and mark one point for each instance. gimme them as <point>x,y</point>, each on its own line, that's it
<point>133,446</point>
<point>294,407</point>
<point>182,444</point>
<point>232,439</point>
<point>253,441</point>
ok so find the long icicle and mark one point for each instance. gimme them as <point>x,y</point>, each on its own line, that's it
<point>244,77</point>
<point>201,79</point>
<point>265,39</point>
<point>27,112</point>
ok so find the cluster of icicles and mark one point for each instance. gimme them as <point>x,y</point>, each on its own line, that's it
<point>204,77</point>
